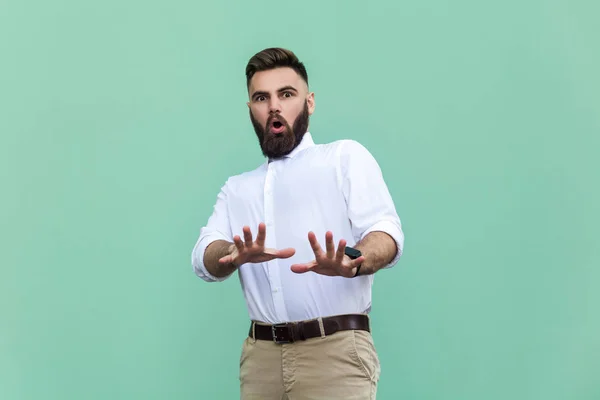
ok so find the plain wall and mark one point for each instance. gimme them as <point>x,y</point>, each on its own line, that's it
<point>120,121</point>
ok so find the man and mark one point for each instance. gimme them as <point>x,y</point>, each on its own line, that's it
<point>309,335</point>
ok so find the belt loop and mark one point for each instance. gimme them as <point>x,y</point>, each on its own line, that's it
<point>253,332</point>
<point>321,327</point>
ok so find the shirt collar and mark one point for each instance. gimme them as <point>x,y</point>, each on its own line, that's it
<point>306,142</point>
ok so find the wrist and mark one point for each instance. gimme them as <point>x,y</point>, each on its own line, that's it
<point>352,254</point>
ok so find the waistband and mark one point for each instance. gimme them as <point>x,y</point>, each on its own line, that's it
<point>293,331</point>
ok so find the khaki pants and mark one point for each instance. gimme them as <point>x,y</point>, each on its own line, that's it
<point>340,366</point>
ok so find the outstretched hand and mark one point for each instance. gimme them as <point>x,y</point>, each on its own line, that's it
<point>248,251</point>
<point>330,262</point>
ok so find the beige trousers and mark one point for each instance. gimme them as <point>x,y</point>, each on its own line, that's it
<point>340,366</point>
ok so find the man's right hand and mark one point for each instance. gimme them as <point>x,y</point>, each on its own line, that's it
<point>248,251</point>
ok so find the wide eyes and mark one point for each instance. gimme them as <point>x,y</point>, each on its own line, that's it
<point>285,95</point>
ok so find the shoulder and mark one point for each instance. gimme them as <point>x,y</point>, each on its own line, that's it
<point>346,151</point>
<point>351,146</point>
<point>246,177</point>
<point>354,158</point>
<point>342,148</point>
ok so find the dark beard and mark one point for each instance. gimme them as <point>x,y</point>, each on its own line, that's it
<point>273,146</point>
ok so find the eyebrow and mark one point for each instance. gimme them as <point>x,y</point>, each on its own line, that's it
<point>283,89</point>
<point>286,88</point>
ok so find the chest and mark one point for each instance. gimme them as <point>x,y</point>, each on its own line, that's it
<point>290,191</point>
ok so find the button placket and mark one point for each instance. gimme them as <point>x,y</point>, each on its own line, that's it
<point>272,266</point>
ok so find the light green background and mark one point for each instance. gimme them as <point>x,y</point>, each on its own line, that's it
<point>120,121</point>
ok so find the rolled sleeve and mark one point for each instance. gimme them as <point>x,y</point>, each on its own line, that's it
<point>217,228</point>
<point>370,205</point>
<point>394,229</point>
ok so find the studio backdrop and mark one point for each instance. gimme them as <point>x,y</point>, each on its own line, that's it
<point>121,120</point>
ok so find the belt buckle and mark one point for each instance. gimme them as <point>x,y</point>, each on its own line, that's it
<point>279,340</point>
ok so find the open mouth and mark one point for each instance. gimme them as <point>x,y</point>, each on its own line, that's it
<point>277,127</point>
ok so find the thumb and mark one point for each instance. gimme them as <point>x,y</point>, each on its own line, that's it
<point>225,260</point>
<point>285,253</point>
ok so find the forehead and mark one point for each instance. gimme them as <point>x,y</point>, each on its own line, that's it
<point>273,79</point>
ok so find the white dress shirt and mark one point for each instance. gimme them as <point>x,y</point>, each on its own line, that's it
<point>335,187</point>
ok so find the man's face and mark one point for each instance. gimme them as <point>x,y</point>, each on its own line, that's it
<point>280,106</point>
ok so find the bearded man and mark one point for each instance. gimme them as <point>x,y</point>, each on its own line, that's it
<point>309,333</point>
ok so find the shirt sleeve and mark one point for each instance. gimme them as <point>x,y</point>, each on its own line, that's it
<point>217,228</point>
<point>370,205</point>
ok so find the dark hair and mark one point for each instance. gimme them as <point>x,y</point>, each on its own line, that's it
<point>271,58</point>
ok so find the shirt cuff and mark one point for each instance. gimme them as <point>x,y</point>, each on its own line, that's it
<point>393,229</point>
<point>198,257</point>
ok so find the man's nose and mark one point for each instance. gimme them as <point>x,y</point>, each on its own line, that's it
<point>274,106</point>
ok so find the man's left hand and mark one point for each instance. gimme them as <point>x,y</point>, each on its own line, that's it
<point>330,262</point>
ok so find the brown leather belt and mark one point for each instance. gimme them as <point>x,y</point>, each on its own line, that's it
<point>302,330</point>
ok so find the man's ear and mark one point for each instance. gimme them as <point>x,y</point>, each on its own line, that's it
<point>248,104</point>
<point>310,100</point>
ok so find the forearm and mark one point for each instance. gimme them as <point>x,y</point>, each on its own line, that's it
<point>379,249</point>
<point>215,251</point>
